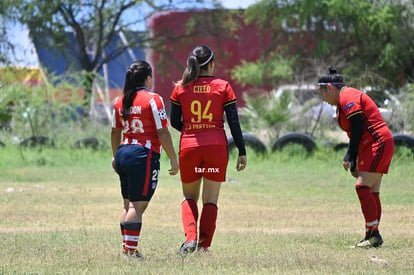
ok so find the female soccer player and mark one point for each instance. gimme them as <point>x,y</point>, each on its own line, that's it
<point>140,121</point>
<point>370,150</point>
<point>199,101</point>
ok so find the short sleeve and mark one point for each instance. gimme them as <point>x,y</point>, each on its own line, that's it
<point>158,111</point>
<point>116,113</point>
<point>175,95</point>
<point>229,96</point>
<point>350,102</point>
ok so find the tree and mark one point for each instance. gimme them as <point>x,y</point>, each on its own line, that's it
<point>7,18</point>
<point>94,24</point>
<point>371,40</point>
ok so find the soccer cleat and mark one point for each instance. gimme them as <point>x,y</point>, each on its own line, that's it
<point>187,248</point>
<point>133,255</point>
<point>375,240</point>
<point>137,255</point>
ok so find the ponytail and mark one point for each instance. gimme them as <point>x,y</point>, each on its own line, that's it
<point>135,77</point>
<point>192,71</point>
<point>199,59</point>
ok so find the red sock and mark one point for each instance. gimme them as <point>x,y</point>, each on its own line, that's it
<point>132,231</point>
<point>122,226</point>
<point>207,224</point>
<point>379,208</point>
<point>189,217</point>
<point>368,207</point>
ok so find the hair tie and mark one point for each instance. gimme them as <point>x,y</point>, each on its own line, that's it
<point>332,83</point>
<point>208,60</point>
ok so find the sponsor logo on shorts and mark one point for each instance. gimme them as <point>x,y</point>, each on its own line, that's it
<point>206,170</point>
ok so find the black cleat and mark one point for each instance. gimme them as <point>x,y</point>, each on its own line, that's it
<point>373,240</point>
<point>133,255</point>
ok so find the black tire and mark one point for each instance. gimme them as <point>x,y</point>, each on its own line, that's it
<point>340,146</point>
<point>2,144</point>
<point>251,141</point>
<point>296,138</point>
<point>404,140</point>
<point>89,142</point>
<point>35,141</point>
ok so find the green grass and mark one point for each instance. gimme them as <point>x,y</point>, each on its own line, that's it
<point>287,213</point>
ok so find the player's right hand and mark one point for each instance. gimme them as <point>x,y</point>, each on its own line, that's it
<point>174,167</point>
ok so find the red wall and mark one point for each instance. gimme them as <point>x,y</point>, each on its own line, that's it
<point>169,60</point>
<point>181,31</point>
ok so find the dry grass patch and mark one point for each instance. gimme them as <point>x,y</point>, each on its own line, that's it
<point>282,215</point>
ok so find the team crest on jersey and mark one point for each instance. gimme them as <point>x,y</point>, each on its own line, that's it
<point>349,105</point>
<point>162,114</point>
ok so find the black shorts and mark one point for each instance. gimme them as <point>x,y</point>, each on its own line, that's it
<point>138,169</point>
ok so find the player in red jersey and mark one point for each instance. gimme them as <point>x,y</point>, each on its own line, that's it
<point>139,130</point>
<point>199,101</point>
<point>370,150</point>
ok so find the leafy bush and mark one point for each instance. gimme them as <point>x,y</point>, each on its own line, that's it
<point>44,110</point>
<point>262,71</point>
<point>272,114</point>
<point>403,114</point>
<point>266,113</point>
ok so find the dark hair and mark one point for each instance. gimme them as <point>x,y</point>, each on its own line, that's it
<point>333,77</point>
<point>199,59</point>
<point>135,77</point>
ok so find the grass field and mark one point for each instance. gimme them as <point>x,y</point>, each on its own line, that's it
<point>285,214</point>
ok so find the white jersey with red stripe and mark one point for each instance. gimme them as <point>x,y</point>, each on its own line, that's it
<point>146,115</point>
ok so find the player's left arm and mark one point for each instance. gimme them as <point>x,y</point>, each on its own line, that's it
<point>176,116</point>
<point>234,124</point>
<point>236,132</point>
<point>235,129</point>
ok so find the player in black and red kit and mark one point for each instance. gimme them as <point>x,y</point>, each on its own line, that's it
<point>370,150</point>
<point>199,101</point>
<point>139,131</point>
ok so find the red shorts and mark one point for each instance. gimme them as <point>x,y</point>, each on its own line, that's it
<point>376,157</point>
<point>208,161</point>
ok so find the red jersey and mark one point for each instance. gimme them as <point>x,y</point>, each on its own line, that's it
<point>353,101</point>
<point>202,104</point>
<point>146,115</point>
